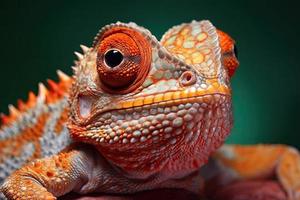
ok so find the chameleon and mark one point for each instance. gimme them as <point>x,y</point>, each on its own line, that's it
<point>138,114</point>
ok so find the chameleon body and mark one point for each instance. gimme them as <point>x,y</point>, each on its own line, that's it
<point>138,114</point>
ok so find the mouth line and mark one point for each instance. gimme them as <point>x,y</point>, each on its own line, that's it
<point>205,99</point>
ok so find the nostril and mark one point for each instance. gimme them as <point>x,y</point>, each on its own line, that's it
<point>187,78</point>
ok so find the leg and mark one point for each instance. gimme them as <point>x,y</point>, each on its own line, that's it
<point>259,162</point>
<point>50,177</point>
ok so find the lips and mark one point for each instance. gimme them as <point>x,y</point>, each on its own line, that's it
<point>141,123</point>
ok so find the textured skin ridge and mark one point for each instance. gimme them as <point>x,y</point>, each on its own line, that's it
<point>159,124</point>
<point>56,91</point>
<point>36,128</point>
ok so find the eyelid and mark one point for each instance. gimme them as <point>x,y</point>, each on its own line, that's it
<point>129,74</point>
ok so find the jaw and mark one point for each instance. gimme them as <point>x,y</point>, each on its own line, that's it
<point>176,138</point>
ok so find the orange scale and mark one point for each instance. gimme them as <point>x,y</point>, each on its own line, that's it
<point>179,41</point>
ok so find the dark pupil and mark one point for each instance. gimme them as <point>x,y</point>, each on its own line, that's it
<point>113,58</point>
<point>235,51</point>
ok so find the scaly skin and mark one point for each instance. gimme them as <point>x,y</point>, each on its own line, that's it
<point>143,115</point>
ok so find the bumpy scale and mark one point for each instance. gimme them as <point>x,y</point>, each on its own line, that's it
<point>143,114</point>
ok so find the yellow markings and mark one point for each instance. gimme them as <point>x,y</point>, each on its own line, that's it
<point>188,44</point>
<point>117,106</point>
<point>188,61</point>
<point>127,104</point>
<point>200,91</point>
<point>216,87</point>
<point>201,37</point>
<point>168,96</point>
<point>185,31</point>
<point>224,90</point>
<point>170,40</point>
<point>197,57</point>
<point>213,87</point>
<point>179,41</point>
<point>138,102</point>
<point>148,100</point>
<point>190,38</point>
<point>192,92</point>
<point>158,98</point>
<point>163,104</point>
<point>184,94</point>
<point>189,51</point>
<point>176,95</point>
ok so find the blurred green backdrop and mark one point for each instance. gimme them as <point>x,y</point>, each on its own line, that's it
<point>38,37</point>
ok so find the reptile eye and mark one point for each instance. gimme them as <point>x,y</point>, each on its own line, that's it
<point>113,58</point>
<point>235,50</point>
<point>123,60</point>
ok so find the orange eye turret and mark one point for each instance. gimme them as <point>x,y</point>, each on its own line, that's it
<point>229,52</point>
<point>123,60</point>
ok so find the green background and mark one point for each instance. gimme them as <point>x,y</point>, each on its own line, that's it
<point>38,37</point>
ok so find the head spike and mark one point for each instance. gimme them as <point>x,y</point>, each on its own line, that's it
<point>4,118</point>
<point>84,48</point>
<point>55,87</point>
<point>52,85</point>
<point>31,99</point>
<point>79,55</point>
<point>62,76</point>
<point>21,105</point>
<point>13,110</point>
<point>75,69</point>
<point>42,92</point>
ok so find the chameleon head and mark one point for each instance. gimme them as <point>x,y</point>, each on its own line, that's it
<point>152,106</point>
